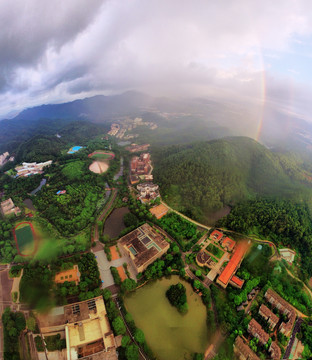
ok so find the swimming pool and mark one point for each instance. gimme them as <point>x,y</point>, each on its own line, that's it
<point>74,149</point>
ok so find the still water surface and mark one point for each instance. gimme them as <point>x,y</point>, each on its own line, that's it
<point>169,334</point>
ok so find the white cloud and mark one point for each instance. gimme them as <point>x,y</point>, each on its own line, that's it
<point>56,51</point>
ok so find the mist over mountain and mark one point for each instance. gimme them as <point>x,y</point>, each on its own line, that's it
<point>180,120</point>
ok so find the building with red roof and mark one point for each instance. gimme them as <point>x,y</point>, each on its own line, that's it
<point>216,235</point>
<point>228,244</point>
<point>237,282</point>
<point>232,265</point>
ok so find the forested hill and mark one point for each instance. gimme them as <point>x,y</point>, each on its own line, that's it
<point>201,178</point>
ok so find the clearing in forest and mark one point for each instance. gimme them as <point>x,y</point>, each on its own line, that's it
<point>25,238</point>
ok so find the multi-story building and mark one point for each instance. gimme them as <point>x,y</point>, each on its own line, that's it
<point>268,315</point>
<point>275,351</point>
<point>255,329</point>
<point>28,169</point>
<point>243,351</point>
<point>86,328</point>
<point>232,266</point>
<point>148,191</point>
<point>283,307</point>
<point>8,208</point>
<point>143,246</point>
<point>140,165</point>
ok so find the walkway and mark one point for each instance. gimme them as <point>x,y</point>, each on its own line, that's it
<point>103,214</point>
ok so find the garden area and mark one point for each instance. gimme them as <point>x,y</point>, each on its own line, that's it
<point>214,250</point>
<point>183,231</point>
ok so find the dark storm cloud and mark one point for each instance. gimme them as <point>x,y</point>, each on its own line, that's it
<point>52,51</point>
<point>30,27</point>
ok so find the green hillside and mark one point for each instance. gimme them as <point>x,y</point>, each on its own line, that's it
<point>203,177</point>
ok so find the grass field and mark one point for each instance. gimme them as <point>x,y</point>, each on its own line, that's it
<point>101,155</point>
<point>215,251</point>
<point>25,238</point>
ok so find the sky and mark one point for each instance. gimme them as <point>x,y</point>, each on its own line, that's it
<point>57,51</point>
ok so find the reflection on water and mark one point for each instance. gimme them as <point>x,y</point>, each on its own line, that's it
<point>169,334</point>
<point>114,223</point>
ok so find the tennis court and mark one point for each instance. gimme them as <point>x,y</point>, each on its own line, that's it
<point>121,272</point>
<point>114,253</point>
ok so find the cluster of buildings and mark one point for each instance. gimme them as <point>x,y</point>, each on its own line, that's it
<point>114,129</point>
<point>227,243</point>
<point>284,308</point>
<point>86,328</point>
<point>275,324</point>
<point>8,208</point>
<point>137,148</point>
<point>148,192</point>
<point>227,275</point>
<point>143,246</point>
<point>28,169</point>
<point>128,124</point>
<point>140,167</point>
<point>5,157</point>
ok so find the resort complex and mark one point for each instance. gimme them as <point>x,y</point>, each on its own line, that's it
<point>143,246</point>
<point>28,169</point>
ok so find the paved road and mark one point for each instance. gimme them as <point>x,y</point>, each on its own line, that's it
<point>102,215</point>
<point>104,268</point>
<point>292,338</point>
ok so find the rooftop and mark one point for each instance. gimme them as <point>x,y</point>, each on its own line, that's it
<point>245,349</point>
<point>266,312</point>
<point>143,244</point>
<point>255,329</point>
<point>216,235</point>
<point>228,243</point>
<point>232,265</point>
<point>236,280</point>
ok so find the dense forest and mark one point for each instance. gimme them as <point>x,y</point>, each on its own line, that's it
<point>284,222</point>
<point>203,177</point>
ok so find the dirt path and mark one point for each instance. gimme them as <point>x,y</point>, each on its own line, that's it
<point>305,286</point>
<point>187,218</point>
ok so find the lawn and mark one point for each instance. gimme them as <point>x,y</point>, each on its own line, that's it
<point>215,251</point>
<point>101,155</point>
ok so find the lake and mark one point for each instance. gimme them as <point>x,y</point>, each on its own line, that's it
<point>169,334</point>
<point>114,223</point>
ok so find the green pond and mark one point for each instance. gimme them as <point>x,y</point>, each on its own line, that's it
<point>169,334</point>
